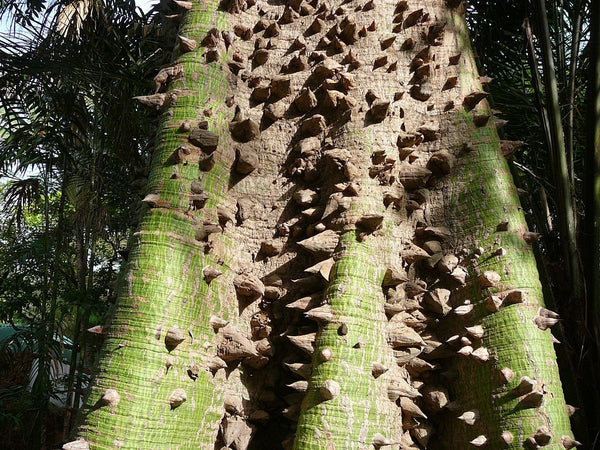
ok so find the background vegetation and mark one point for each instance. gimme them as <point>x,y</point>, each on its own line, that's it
<point>73,155</point>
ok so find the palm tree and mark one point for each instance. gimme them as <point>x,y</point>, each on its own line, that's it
<point>327,194</point>
<point>65,207</point>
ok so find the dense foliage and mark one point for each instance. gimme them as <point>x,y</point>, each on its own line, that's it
<point>73,154</point>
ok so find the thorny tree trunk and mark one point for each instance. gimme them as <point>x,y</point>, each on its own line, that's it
<point>334,254</point>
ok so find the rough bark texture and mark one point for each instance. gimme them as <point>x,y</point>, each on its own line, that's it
<point>330,214</point>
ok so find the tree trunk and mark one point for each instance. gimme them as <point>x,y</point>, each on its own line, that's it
<point>335,241</point>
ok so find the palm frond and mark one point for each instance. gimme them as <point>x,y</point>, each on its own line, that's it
<point>18,196</point>
<point>70,19</point>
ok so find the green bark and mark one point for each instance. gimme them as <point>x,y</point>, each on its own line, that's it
<point>356,164</point>
<point>163,287</point>
<point>484,196</point>
<point>480,196</point>
<point>362,409</point>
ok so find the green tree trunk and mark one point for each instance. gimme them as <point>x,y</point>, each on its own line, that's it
<point>154,388</point>
<point>337,242</point>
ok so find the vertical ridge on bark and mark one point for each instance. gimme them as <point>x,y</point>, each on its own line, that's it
<point>481,197</point>
<point>362,409</point>
<point>168,397</point>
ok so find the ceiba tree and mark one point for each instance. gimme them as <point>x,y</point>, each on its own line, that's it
<point>333,253</point>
